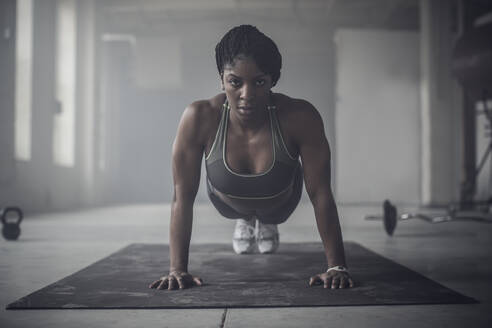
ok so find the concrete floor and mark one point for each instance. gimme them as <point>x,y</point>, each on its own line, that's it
<point>52,246</point>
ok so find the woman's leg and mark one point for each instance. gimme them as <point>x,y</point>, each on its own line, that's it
<point>243,238</point>
<point>224,209</point>
<point>267,237</point>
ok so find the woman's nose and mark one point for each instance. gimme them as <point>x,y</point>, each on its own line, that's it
<point>247,92</point>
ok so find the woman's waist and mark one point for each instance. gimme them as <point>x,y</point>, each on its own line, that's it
<point>245,202</point>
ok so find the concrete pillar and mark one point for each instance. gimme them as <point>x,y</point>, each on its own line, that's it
<point>440,99</point>
<point>86,99</point>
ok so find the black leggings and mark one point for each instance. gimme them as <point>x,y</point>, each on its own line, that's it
<point>275,216</point>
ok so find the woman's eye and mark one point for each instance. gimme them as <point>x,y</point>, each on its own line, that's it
<point>234,83</point>
<point>260,82</point>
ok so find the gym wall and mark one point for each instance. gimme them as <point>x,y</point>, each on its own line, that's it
<point>377,116</point>
<point>136,72</point>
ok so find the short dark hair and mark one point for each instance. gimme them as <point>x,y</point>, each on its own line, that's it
<point>249,41</point>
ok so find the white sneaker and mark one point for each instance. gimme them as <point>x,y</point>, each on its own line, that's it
<point>243,239</point>
<point>267,237</point>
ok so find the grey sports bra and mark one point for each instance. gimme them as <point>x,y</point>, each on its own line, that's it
<point>274,181</point>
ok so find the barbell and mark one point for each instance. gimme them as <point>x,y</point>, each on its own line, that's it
<point>390,216</point>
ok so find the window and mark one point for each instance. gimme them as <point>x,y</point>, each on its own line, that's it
<point>64,120</point>
<point>23,80</point>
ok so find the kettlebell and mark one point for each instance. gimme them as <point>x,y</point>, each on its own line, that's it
<point>11,228</point>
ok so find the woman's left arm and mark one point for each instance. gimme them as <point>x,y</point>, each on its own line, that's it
<point>315,155</point>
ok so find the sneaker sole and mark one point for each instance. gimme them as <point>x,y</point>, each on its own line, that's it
<point>249,249</point>
<point>269,251</point>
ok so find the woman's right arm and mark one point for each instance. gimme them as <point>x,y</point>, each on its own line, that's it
<point>187,155</point>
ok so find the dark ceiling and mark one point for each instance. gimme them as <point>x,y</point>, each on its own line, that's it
<point>386,14</point>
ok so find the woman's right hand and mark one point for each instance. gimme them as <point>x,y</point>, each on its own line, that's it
<point>176,279</point>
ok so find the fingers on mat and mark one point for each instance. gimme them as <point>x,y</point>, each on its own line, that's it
<point>180,282</point>
<point>335,282</point>
<point>163,284</point>
<point>155,284</point>
<point>172,283</point>
<point>316,280</point>
<point>327,282</point>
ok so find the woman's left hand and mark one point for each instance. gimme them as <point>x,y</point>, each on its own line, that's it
<point>333,279</point>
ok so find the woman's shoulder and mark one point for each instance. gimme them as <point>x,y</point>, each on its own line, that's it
<point>206,107</point>
<point>295,109</point>
<point>203,116</point>
<point>294,116</point>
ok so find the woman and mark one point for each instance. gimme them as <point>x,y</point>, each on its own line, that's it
<point>251,139</point>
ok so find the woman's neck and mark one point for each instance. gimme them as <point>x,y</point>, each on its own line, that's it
<point>250,125</point>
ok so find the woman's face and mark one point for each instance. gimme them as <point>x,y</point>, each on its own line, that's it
<point>247,88</point>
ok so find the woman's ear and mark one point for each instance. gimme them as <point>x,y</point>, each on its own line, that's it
<point>222,81</point>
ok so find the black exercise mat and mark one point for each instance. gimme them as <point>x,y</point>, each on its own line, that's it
<point>277,280</point>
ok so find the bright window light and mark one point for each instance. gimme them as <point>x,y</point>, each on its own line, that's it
<point>64,120</point>
<point>23,80</point>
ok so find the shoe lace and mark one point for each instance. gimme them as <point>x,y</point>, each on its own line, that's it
<point>267,231</point>
<point>246,230</point>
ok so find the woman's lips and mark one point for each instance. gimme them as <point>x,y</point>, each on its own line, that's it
<point>245,110</point>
